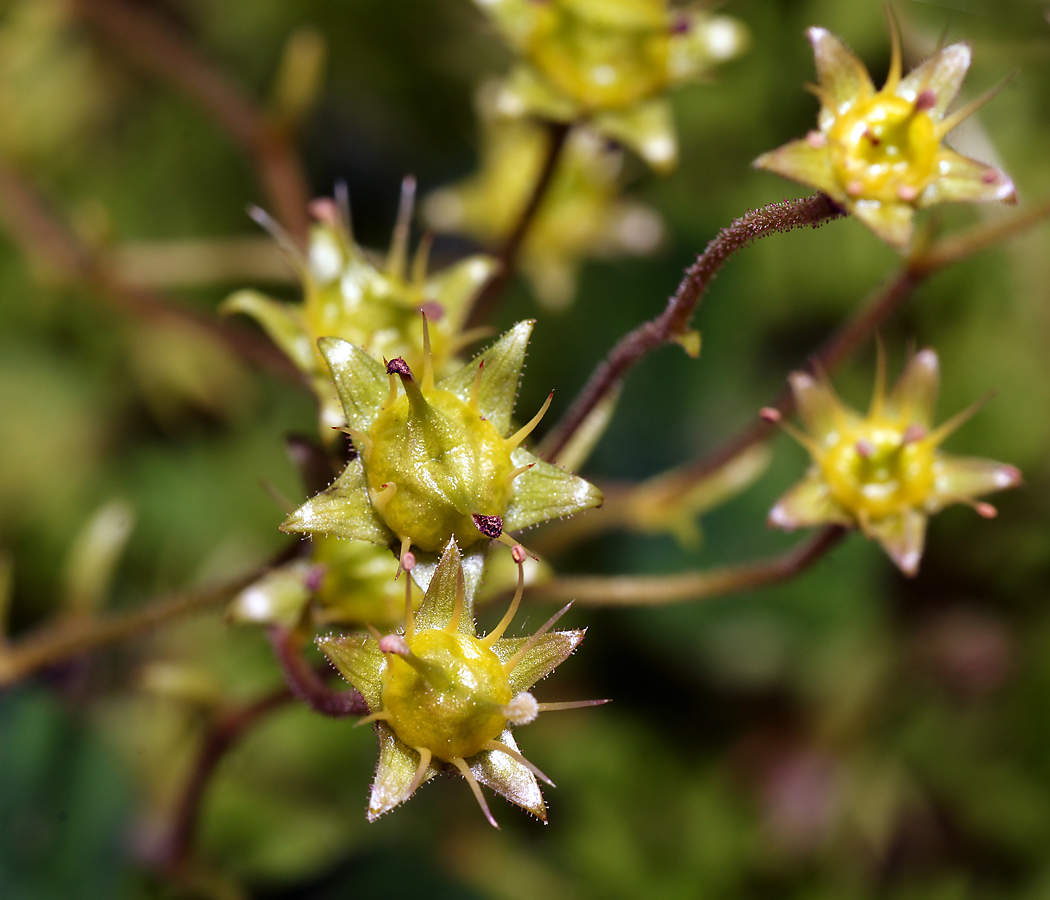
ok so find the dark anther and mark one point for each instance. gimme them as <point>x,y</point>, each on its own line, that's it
<point>398,366</point>
<point>681,25</point>
<point>490,526</point>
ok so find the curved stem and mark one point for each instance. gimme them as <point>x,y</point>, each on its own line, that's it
<point>674,321</point>
<point>55,642</point>
<point>225,731</point>
<point>489,296</point>
<point>149,40</point>
<point>660,590</point>
<point>305,683</point>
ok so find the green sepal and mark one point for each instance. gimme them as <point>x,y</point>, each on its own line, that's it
<point>809,503</point>
<point>473,559</point>
<point>801,162</point>
<point>893,222</point>
<point>943,74</point>
<point>284,324</point>
<point>961,179</point>
<point>550,651</point>
<point>498,390</point>
<point>394,773</point>
<point>902,536</point>
<point>456,287</point>
<point>362,383</point>
<point>360,661</point>
<point>508,777</point>
<point>440,599</point>
<point>343,510</point>
<point>843,78</point>
<point>546,492</point>
<point>647,129</point>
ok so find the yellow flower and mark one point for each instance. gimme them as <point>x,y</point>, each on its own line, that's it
<point>376,307</point>
<point>611,62</point>
<point>581,213</point>
<point>884,472</point>
<point>443,698</point>
<point>879,153</point>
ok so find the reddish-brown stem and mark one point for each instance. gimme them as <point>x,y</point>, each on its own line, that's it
<point>46,240</point>
<point>488,297</point>
<point>674,321</point>
<point>225,731</point>
<point>152,43</point>
<point>304,682</point>
<point>659,590</point>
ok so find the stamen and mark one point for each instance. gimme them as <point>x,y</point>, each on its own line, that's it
<point>422,260</point>
<point>913,434</point>
<point>468,337</point>
<point>769,414</point>
<point>942,431</point>
<point>381,716</point>
<point>406,542</point>
<point>878,396</point>
<point>570,704</point>
<point>522,709</point>
<point>521,470</point>
<point>342,200</point>
<point>396,259</point>
<point>512,663</point>
<point>281,237</point>
<point>523,432</point>
<point>383,496</point>
<point>894,76</point>
<point>956,118</point>
<point>457,609</point>
<point>518,554</point>
<point>475,388</point>
<point>391,398</point>
<point>865,449</point>
<point>464,770</point>
<point>490,526</point>
<point>428,357</point>
<point>362,442</point>
<point>421,772</point>
<point>500,747</point>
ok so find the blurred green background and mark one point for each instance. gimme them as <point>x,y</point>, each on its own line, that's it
<point>851,734</point>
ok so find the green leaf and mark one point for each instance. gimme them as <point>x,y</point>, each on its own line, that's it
<point>362,383</point>
<point>344,510</point>
<point>550,651</point>
<point>499,378</point>
<point>359,661</point>
<point>546,492</point>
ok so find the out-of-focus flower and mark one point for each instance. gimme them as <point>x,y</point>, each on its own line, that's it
<point>879,153</point>
<point>884,471</point>
<point>444,698</point>
<point>581,213</point>
<point>374,306</point>
<point>611,62</point>
<point>341,583</point>
<point>437,459</point>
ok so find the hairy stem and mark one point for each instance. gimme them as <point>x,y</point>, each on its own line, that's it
<point>154,43</point>
<point>59,640</point>
<point>674,321</point>
<point>660,590</point>
<point>488,298</point>
<point>304,682</point>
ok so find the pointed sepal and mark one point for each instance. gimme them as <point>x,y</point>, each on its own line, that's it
<point>508,777</point>
<point>394,773</point>
<point>343,510</point>
<point>546,492</point>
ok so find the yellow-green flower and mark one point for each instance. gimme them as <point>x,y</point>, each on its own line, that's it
<point>884,472</point>
<point>437,459</point>
<point>443,698</point>
<point>341,583</point>
<point>879,153</point>
<point>376,307</point>
<point>611,62</point>
<point>581,214</point>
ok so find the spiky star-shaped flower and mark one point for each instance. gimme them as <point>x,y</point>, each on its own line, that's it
<point>376,307</point>
<point>444,698</point>
<point>437,460</point>
<point>884,472</point>
<point>611,62</point>
<point>879,153</point>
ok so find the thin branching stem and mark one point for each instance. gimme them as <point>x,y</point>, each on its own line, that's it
<point>674,321</point>
<point>661,590</point>
<point>48,242</point>
<point>154,43</point>
<point>490,294</point>
<point>305,683</point>
<point>64,638</point>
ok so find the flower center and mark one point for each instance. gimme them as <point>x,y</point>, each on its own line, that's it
<point>872,469</point>
<point>605,55</point>
<point>457,705</point>
<point>434,464</point>
<point>884,148</point>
